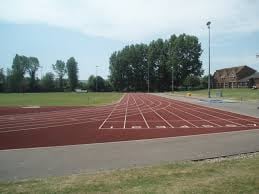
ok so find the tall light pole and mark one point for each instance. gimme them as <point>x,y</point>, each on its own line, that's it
<point>172,79</point>
<point>208,24</point>
<point>257,56</point>
<point>96,85</point>
<point>148,78</point>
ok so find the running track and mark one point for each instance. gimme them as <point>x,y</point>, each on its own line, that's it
<point>136,116</point>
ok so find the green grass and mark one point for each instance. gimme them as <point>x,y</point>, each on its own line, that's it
<point>224,176</point>
<point>58,99</point>
<point>228,93</point>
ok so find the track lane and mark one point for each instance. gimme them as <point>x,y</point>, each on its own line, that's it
<point>136,116</point>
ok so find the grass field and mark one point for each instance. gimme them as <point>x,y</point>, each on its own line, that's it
<point>228,93</point>
<point>58,99</point>
<point>234,175</point>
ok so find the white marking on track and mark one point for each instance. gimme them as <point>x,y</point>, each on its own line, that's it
<point>207,126</point>
<point>160,126</point>
<point>252,124</point>
<point>231,125</point>
<point>136,127</point>
<point>141,113</point>
<point>184,126</point>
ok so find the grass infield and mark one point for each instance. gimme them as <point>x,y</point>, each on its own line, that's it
<point>58,99</point>
<point>230,175</point>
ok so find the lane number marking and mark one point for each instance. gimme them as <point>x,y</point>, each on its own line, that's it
<point>208,126</point>
<point>136,127</point>
<point>162,126</point>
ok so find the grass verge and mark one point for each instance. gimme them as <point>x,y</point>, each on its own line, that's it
<point>242,94</point>
<point>234,175</point>
<point>58,99</point>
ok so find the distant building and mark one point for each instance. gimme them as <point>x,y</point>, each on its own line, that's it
<point>252,80</point>
<point>234,77</point>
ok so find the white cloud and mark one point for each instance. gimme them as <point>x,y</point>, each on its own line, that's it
<point>135,20</point>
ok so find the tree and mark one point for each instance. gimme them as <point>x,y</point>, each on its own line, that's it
<point>132,67</point>
<point>91,83</point>
<point>191,81</point>
<point>72,71</point>
<point>60,70</point>
<point>2,80</point>
<point>48,81</point>
<point>185,57</point>
<point>18,70</point>
<point>32,67</point>
<point>204,81</point>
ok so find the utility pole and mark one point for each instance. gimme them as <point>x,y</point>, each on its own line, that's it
<point>96,79</point>
<point>208,24</point>
<point>257,56</point>
<point>172,79</point>
<point>148,78</point>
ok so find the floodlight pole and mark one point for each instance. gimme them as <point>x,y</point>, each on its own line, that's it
<point>96,85</point>
<point>172,79</point>
<point>257,56</point>
<point>148,78</point>
<point>208,24</point>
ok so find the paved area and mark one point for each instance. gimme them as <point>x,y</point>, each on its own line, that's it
<point>90,158</point>
<point>247,108</point>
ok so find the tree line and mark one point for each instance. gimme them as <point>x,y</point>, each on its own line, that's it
<point>138,67</point>
<point>21,77</point>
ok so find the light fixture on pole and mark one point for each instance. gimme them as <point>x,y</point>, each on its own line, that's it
<point>208,24</point>
<point>96,79</point>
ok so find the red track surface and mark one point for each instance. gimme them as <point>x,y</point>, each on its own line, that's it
<point>136,116</point>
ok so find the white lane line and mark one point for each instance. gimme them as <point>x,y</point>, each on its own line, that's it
<point>125,118</point>
<point>192,114</point>
<point>210,115</point>
<point>62,113</point>
<point>100,127</point>
<point>220,112</point>
<point>160,115</point>
<point>44,127</point>
<point>182,119</point>
<point>62,116</point>
<point>141,112</point>
<point>202,119</point>
<point>42,124</point>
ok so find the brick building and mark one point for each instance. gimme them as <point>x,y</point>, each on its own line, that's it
<point>252,80</point>
<point>232,77</point>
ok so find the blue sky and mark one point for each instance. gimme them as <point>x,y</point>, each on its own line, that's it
<point>91,30</point>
